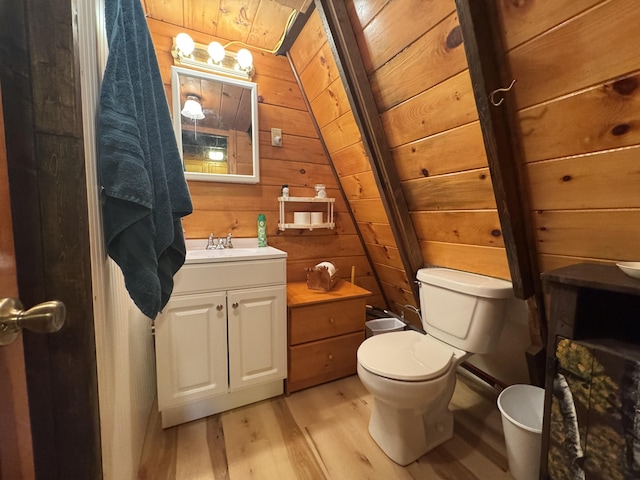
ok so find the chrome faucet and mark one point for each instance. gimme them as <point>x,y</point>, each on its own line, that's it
<point>210,243</point>
<point>221,243</point>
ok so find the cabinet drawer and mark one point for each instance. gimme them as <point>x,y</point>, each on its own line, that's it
<point>315,322</point>
<point>209,277</point>
<point>322,361</point>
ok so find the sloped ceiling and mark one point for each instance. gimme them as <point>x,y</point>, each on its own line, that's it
<point>257,23</point>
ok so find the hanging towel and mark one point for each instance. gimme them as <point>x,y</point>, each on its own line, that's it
<point>144,190</point>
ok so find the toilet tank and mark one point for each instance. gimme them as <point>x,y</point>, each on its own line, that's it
<point>463,309</point>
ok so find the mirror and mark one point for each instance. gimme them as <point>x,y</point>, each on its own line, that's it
<point>216,123</point>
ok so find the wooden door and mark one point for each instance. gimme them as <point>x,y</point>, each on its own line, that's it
<point>16,453</point>
<point>45,156</point>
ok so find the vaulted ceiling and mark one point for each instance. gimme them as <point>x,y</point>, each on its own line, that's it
<point>258,23</point>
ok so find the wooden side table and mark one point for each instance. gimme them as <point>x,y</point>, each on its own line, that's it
<point>325,330</point>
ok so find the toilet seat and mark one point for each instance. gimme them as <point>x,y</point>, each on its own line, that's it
<point>406,355</point>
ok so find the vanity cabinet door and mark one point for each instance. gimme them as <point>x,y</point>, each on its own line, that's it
<point>191,349</point>
<point>257,336</point>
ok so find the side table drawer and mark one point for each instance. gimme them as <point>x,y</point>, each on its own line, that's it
<point>323,320</point>
<point>322,361</point>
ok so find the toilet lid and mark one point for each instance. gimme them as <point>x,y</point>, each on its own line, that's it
<point>406,355</point>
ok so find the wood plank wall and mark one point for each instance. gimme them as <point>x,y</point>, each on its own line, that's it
<point>419,75</point>
<point>577,65</point>
<point>319,75</point>
<point>300,162</point>
<point>420,80</point>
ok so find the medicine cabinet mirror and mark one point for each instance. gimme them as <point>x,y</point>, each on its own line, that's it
<point>216,123</point>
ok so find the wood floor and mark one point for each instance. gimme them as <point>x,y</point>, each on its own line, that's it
<point>321,433</point>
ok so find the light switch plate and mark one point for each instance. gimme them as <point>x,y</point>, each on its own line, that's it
<point>276,137</point>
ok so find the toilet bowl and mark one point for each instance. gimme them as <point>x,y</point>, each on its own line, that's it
<point>412,376</point>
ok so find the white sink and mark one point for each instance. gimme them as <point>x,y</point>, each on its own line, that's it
<point>242,250</point>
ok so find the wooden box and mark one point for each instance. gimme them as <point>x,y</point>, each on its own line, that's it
<point>319,278</point>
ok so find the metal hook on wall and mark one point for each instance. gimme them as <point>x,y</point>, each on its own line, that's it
<point>492,95</point>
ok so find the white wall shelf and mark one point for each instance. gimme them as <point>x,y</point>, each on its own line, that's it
<point>328,216</point>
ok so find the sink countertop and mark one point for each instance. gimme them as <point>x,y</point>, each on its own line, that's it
<point>243,249</point>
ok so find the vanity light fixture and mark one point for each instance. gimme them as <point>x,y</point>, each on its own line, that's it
<point>192,108</point>
<point>213,57</point>
<point>185,44</point>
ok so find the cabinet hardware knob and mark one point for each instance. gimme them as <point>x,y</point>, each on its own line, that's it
<point>331,356</point>
<point>219,307</point>
<point>332,321</point>
<point>235,305</point>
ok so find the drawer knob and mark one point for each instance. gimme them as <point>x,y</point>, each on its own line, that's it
<point>235,305</point>
<point>332,321</point>
<point>219,307</point>
<point>330,356</point>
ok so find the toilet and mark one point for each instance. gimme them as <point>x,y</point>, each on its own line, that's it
<point>412,376</point>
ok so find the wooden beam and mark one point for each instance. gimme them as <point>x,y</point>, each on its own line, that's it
<point>296,28</point>
<point>488,73</point>
<point>484,51</point>
<point>342,41</point>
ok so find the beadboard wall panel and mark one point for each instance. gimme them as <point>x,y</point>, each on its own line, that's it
<point>124,343</point>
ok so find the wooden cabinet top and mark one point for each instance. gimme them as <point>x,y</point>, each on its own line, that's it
<point>594,276</point>
<point>299,294</point>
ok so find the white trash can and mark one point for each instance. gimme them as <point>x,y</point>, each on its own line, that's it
<point>383,325</point>
<point>522,407</point>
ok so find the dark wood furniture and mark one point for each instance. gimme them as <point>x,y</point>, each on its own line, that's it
<point>325,330</point>
<point>592,390</point>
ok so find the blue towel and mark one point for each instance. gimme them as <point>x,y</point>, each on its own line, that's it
<point>144,190</point>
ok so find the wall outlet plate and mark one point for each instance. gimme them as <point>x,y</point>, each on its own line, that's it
<point>276,137</point>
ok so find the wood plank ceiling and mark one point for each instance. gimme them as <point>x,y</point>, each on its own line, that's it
<point>257,23</point>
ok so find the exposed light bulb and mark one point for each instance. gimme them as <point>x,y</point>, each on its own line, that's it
<point>216,155</point>
<point>245,59</point>
<point>185,43</point>
<point>192,109</point>
<point>216,52</point>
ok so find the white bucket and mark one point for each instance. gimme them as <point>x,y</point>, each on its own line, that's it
<point>522,407</point>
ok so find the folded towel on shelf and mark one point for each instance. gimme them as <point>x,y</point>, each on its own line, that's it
<point>145,194</point>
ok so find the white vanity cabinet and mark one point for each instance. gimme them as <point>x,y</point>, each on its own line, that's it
<point>255,330</point>
<point>191,349</point>
<point>221,339</point>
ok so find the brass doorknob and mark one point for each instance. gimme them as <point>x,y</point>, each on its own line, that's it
<point>47,317</point>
